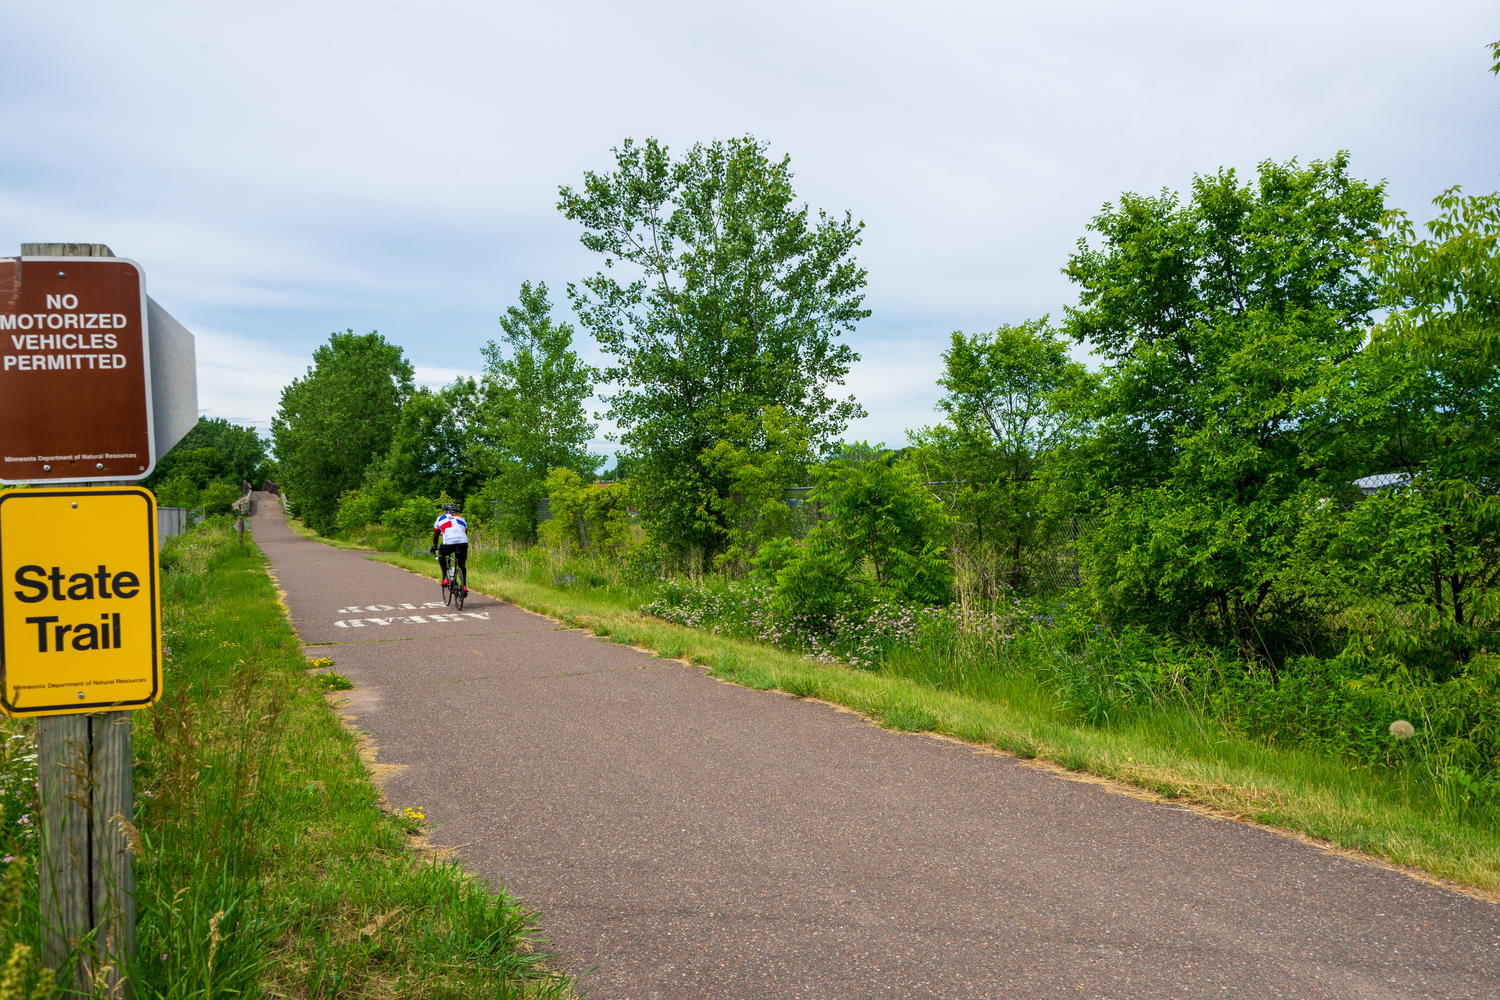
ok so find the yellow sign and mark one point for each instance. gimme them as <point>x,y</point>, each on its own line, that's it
<point>79,615</point>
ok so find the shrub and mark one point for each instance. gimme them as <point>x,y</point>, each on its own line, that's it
<point>817,585</point>
<point>886,523</point>
<point>757,460</point>
<point>413,517</point>
<point>219,498</point>
<point>178,491</point>
<point>510,499</point>
<point>1424,550</point>
<point>356,512</point>
<point>586,517</point>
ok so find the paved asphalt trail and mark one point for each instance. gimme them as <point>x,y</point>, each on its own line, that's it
<point>693,840</point>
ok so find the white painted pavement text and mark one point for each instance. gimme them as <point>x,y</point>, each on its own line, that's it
<point>439,618</point>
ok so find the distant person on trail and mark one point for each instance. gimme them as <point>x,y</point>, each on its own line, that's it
<point>450,536</point>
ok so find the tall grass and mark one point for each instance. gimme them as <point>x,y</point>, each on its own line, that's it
<point>267,865</point>
<point>1441,734</point>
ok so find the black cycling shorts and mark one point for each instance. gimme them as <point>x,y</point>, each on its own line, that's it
<point>460,553</point>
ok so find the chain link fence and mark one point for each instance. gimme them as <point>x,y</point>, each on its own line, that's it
<point>1371,485</point>
<point>174,521</point>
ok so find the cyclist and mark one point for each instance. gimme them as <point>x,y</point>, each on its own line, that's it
<point>450,536</point>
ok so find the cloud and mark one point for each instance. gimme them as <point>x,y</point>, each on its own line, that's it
<point>191,261</point>
<point>239,379</point>
<point>896,382</point>
<point>285,169</point>
<point>438,378</point>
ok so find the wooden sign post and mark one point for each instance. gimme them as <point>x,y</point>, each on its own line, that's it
<point>79,620</point>
<point>79,642</point>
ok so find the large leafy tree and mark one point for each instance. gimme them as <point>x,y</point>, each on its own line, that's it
<point>1423,400</point>
<point>429,450</point>
<point>532,418</point>
<point>1211,315</point>
<point>1435,358</point>
<point>719,297</point>
<point>1004,419</point>
<point>214,449</point>
<point>757,458</point>
<point>337,419</point>
<point>1220,320</point>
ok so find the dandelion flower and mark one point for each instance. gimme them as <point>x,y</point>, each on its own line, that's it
<point>1402,730</point>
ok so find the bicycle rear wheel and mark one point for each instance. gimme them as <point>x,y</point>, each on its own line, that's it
<point>448,587</point>
<point>460,584</point>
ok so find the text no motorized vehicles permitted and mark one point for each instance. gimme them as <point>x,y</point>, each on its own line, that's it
<point>75,377</point>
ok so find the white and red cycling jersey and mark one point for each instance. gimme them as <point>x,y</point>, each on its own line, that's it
<point>454,529</point>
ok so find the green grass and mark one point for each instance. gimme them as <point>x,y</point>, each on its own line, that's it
<point>332,680</point>
<point>375,538</point>
<point>1168,751</point>
<point>268,866</point>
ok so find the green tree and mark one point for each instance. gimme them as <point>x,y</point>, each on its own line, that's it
<point>338,419</point>
<point>885,521</point>
<point>763,454</point>
<point>199,466</point>
<point>881,536</point>
<point>413,517</point>
<point>213,450</point>
<point>587,517</point>
<point>358,509</point>
<point>219,497</point>
<point>1004,420</point>
<point>429,451</point>
<point>1221,322</point>
<point>532,415</point>
<point>177,491</point>
<point>1423,400</point>
<point>719,297</point>
<point>1434,361</point>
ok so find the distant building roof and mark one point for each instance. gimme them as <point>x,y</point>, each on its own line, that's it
<point>1383,481</point>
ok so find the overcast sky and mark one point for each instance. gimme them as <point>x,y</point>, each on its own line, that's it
<point>285,170</point>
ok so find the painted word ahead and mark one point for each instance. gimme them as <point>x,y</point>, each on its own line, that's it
<point>381,615</point>
<point>79,619</point>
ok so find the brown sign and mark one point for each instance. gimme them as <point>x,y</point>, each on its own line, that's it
<point>75,377</point>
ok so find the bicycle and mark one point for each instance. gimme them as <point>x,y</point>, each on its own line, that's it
<point>458,585</point>
<point>457,588</point>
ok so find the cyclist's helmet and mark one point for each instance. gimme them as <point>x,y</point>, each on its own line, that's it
<point>450,508</point>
